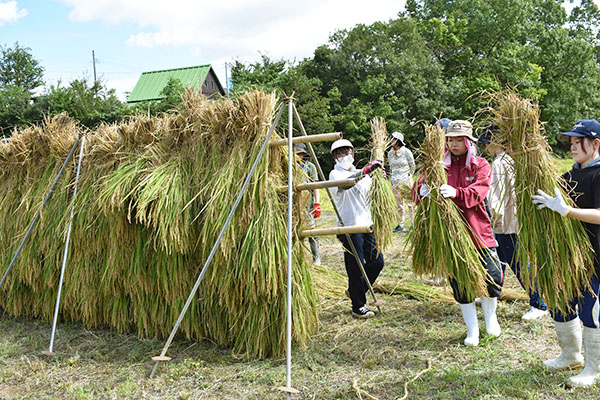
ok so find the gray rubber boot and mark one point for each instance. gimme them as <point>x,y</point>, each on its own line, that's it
<point>591,372</point>
<point>569,339</point>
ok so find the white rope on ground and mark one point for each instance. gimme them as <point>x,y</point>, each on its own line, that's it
<point>414,379</point>
<point>360,392</point>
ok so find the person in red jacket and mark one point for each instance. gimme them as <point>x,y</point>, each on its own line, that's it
<point>468,184</point>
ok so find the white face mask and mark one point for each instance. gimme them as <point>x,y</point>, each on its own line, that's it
<point>345,162</point>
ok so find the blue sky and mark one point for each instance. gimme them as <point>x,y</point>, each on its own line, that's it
<point>132,36</point>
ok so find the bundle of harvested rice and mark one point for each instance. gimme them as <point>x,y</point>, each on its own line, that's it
<point>557,249</point>
<point>439,239</point>
<point>154,193</point>
<point>383,204</point>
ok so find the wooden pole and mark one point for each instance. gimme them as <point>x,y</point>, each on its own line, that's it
<point>322,137</point>
<point>338,230</point>
<point>327,184</point>
<point>321,185</point>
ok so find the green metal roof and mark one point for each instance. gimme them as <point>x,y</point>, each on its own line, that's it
<point>150,84</point>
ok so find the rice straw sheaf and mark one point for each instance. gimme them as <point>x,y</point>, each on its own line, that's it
<point>383,204</point>
<point>153,194</point>
<point>439,239</point>
<point>557,249</point>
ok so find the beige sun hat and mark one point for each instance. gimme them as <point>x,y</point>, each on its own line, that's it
<point>459,127</point>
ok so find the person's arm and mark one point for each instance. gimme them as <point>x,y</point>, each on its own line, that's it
<point>411,161</point>
<point>558,204</point>
<point>589,215</point>
<point>498,192</point>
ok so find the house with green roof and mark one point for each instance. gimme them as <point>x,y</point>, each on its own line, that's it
<point>202,78</point>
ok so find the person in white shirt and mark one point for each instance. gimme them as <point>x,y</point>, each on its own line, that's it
<point>353,205</point>
<point>402,166</point>
<point>502,201</point>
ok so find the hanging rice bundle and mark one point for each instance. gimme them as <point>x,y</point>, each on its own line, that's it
<point>439,239</point>
<point>383,204</point>
<point>154,193</point>
<point>557,249</point>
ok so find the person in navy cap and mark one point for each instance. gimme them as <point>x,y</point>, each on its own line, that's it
<point>583,185</point>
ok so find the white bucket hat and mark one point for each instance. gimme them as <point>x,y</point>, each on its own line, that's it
<point>398,136</point>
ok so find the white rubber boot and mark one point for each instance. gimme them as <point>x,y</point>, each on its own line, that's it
<point>569,339</point>
<point>488,305</point>
<point>591,344</point>
<point>469,313</point>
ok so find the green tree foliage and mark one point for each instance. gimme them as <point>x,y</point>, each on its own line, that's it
<point>437,58</point>
<point>20,75</point>
<point>90,103</point>
<point>532,45</point>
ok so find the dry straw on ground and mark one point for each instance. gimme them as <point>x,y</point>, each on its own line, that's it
<point>154,194</point>
<point>439,239</point>
<point>557,249</point>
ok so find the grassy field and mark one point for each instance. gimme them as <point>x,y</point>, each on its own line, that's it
<point>346,359</point>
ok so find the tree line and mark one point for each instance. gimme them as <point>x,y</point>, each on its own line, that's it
<point>433,59</point>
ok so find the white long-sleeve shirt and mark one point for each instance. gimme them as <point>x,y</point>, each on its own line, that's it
<point>502,195</point>
<point>353,203</point>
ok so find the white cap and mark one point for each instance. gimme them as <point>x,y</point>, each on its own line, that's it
<point>340,143</point>
<point>398,135</point>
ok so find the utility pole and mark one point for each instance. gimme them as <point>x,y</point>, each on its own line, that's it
<point>94,63</point>
<point>226,82</point>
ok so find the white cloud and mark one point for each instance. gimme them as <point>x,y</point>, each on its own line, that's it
<point>9,12</point>
<point>235,28</point>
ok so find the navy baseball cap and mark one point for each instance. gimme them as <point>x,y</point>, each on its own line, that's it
<point>585,128</point>
<point>444,122</point>
<point>489,131</point>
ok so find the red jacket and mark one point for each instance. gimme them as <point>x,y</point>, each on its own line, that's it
<point>472,183</point>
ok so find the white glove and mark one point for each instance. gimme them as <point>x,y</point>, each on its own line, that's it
<point>557,203</point>
<point>447,191</point>
<point>424,190</point>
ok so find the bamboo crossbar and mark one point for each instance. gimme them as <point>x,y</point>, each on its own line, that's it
<point>322,137</point>
<point>321,184</point>
<point>339,230</point>
<point>327,184</point>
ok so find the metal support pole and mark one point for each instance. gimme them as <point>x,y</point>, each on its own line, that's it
<point>163,353</point>
<point>288,389</point>
<point>65,254</point>
<point>376,303</point>
<point>37,215</point>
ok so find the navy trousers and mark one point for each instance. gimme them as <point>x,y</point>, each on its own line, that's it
<point>372,262</point>
<point>507,250</point>
<point>588,307</point>
<point>491,263</point>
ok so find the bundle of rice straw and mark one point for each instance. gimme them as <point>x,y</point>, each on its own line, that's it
<point>439,239</point>
<point>557,249</point>
<point>383,204</point>
<point>154,193</point>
